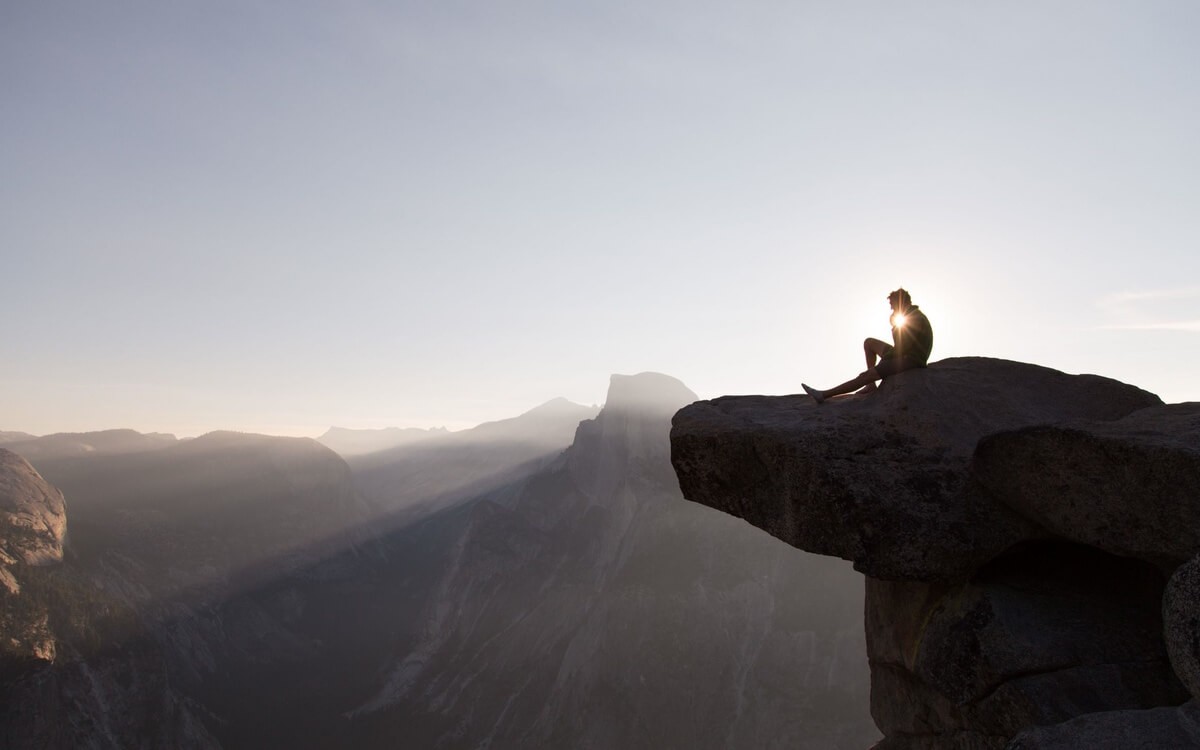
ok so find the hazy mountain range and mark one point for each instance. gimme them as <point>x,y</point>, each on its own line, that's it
<point>449,467</point>
<point>534,582</point>
<point>348,442</point>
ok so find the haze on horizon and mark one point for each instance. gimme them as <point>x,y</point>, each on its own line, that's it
<point>281,217</point>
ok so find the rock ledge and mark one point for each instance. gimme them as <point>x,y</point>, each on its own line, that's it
<point>1017,526</point>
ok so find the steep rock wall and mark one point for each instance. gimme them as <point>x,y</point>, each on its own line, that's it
<point>1017,526</point>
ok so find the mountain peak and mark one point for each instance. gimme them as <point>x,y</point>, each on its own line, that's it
<point>558,406</point>
<point>648,391</point>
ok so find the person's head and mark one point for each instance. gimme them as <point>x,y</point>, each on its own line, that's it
<point>899,300</point>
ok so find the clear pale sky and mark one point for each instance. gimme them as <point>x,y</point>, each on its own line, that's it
<point>279,216</point>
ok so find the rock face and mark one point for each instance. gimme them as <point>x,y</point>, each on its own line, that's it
<point>33,523</point>
<point>882,480</point>
<point>33,517</point>
<point>589,606</point>
<point>1131,487</point>
<point>1181,616</point>
<point>1152,729</point>
<point>1016,525</point>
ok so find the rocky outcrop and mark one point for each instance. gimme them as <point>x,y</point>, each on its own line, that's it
<point>33,524</point>
<point>33,518</point>
<point>1016,525</point>
<point>882,480</point>
<point>1043,634</point>
<point>1181,617</point>
<point>1130,486</point>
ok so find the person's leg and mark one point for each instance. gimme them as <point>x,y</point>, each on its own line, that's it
<point>867,377</point>
<point>874,349</point>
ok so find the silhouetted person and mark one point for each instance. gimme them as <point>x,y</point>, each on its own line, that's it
<point>912,341</point>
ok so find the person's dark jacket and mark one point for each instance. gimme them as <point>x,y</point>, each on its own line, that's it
<point>915,340</point>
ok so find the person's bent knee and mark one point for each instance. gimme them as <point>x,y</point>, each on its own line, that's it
<point>875,346</point>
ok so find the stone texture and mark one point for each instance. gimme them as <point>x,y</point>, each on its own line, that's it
<point>883,479</point>
<point>32,526</point>
<point>1153,729</point>
<point>1130,486</point>
<point>1043,607</point>
<point>955,741</point>
<point>1181,623</point>
<point>1045,633</point>
<point>33,517</point>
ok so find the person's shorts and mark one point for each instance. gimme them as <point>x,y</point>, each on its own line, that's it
<point>892,365</point>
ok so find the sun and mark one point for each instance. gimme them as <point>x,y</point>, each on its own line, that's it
<point>898,320</point>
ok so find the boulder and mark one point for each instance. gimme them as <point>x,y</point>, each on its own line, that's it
<point>1181,623</point>
<point>1130,486</point>
<point>1042,608</point>
<point>1047,632</point>
<point>884,479</point>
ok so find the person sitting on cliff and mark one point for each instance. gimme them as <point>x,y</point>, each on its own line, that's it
<point>912,338</point>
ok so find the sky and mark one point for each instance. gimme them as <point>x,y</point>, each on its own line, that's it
<point>281,216</point>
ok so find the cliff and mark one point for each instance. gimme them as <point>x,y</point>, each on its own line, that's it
<point>33,518</point>
<point>587,605</point>
<point>1017,527</point>
<point>32,527</point>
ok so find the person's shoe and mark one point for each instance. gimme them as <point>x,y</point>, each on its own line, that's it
<point>820,399</point>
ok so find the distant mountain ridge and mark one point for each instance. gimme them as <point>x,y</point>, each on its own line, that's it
<point>352,442</point>
<point>563,595</point>
<point>419,478</point>
<point>150,598</point>
<point>63,444</point>
<point>541,424</point>
<point>258,498</point>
